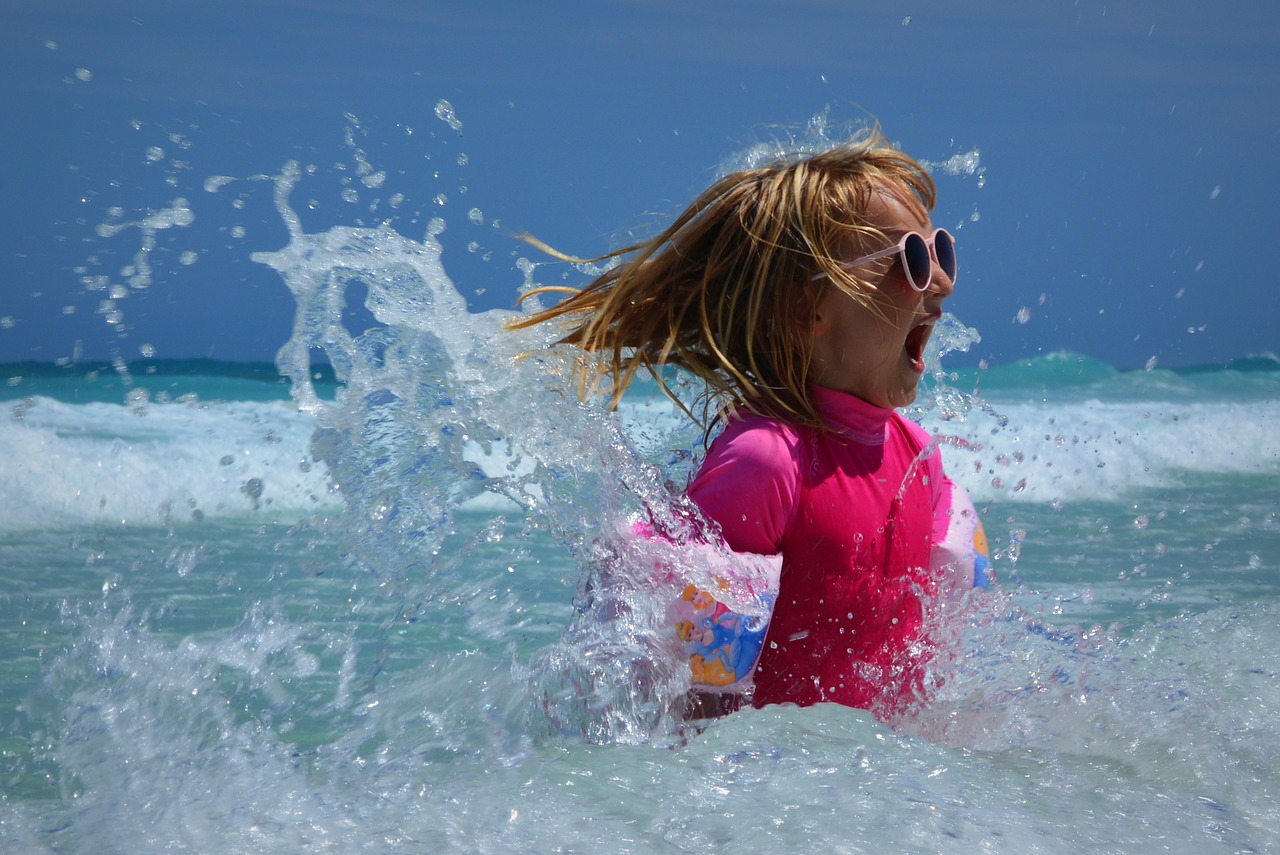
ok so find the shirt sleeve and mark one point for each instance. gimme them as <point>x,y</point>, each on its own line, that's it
<point>941,487</point>
<point>943,495</point>
<point>748,485</point>
<point>956,532</point>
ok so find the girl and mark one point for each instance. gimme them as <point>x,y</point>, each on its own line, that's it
<point>803,294</point>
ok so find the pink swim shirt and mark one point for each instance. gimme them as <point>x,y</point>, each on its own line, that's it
<point>855,513</point>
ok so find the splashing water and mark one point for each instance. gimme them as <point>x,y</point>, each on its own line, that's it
<point>438,410</point>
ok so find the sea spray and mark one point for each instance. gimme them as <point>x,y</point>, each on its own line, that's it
<point>438,408</point>
<point>204,743</point>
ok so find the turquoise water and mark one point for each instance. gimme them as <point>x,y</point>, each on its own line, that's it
<point>344,612</point>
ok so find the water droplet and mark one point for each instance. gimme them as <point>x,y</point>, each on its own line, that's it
<point>214,183</point>
<point>252,488</point>
<point>446,114</point>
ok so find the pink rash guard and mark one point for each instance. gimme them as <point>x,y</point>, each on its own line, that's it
<point>854,513</point>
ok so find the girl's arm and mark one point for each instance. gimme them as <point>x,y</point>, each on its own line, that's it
<point>959,554</point>
<point>748,485</point>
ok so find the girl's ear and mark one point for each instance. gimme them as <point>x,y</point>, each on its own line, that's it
<point>810,317</point>
<point>818,327</point>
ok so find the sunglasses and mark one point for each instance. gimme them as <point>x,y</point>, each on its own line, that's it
<point>917,254</point>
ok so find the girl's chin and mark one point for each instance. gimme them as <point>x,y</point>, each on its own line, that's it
<point>905,394</point>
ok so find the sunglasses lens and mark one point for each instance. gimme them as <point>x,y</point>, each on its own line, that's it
<point>919,266</point>
<point>945,249</point>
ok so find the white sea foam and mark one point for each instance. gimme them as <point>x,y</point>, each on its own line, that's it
<point>62,463</point>
<point>1096,449</point>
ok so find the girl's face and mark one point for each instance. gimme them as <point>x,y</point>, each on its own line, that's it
<point>877,354</point>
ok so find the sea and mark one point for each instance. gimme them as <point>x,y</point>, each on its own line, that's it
<point>385,595</point>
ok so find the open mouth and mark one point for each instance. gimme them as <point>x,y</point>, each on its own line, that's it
<point>916,341</point>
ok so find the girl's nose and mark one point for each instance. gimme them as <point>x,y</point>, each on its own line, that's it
<point>940,281</point>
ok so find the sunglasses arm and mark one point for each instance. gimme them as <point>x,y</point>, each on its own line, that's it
<point>858,262</point>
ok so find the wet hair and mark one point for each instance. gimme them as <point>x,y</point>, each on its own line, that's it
<point>728,291</point>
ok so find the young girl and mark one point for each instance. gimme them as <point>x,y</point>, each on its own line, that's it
<point>803,293</point>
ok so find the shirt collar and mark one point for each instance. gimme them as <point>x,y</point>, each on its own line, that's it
<point>851,416</point>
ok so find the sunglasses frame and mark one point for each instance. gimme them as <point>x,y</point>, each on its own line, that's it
<point>930,246</point>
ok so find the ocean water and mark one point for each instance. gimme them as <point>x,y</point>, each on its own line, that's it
<point>297,608</point>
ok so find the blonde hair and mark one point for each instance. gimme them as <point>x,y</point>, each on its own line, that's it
<point>727,291</point>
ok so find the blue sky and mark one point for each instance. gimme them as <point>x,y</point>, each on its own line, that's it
<point>1128,151</point>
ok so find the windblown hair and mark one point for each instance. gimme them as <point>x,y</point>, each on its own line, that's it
<point>728,290</point>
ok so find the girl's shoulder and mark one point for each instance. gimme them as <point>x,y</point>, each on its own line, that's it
<point>755,453</point>
<point>749,482</point>
<point>749,432</point>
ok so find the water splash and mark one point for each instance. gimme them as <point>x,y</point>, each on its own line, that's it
<point>439,409</point>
